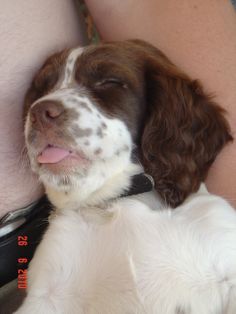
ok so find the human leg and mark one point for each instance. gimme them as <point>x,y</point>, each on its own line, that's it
<point>30,31</point>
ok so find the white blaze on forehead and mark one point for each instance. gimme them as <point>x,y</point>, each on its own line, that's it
<point>69,67</point>
<point>67,78</point>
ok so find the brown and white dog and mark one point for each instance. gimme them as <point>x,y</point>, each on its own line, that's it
<point>94,118</point>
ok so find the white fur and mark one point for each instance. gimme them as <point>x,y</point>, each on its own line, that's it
<point>131,259</point>
<point>102,255</point>
<point>69,67</point>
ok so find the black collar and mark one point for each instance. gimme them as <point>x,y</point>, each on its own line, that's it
<point>140,183</point>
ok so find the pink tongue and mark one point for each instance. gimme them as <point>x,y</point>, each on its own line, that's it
<point>52,155</point>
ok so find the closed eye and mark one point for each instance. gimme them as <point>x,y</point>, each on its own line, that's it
<point>111,82</point>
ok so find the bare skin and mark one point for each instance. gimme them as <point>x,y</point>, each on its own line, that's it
<point>197,35</point>
<point>30,31</point>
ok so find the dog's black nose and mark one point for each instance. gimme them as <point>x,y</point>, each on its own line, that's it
<point>46,114</point>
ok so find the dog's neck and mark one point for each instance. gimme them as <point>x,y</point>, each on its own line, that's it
<point>151,199</point>
<point>76,198</point>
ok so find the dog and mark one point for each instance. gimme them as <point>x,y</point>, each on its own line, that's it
<point>101,123</point>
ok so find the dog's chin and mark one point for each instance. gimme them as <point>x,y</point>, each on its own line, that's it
<point>61,182</point>
<point>61,176</point>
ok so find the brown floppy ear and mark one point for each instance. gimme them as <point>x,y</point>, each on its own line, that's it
<point>184,129</point>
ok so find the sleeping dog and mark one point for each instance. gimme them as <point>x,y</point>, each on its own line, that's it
<point>101,122</point>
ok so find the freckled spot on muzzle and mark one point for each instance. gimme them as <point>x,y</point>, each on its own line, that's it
<point>100,132</point>
<point>86,143</point>
<point>85,106</point>
<point>79,132</point>
<point>104,126</point>
<point>72,114</point>
<point>126,148</point>
<point>98,151</point>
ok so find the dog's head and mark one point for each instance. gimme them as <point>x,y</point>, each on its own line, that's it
<point>91,112</point>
